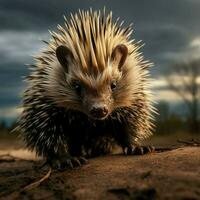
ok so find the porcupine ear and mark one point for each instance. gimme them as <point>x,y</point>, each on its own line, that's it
<point>119,55</point>
<point>63,55</point>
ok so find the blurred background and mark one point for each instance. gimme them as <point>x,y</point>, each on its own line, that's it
<point>169,29</point>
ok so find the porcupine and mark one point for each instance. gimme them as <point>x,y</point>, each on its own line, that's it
<point>88,90</point>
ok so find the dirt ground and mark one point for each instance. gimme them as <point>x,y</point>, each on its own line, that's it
<point>173,174</point>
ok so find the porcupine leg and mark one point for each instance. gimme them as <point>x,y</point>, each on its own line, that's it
<point>63,160</point>
<point>68,155</point>
<point>102,146</point>
<point>137,149</point>
<point>129,142</point>
<point>75,150</point>
<point>130,126</point>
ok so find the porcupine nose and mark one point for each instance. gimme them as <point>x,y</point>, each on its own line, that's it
<point>99,112</point>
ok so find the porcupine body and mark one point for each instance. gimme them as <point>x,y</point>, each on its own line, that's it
<point>88,90</point>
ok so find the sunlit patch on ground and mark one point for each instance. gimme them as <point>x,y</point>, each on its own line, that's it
<point>20,153</point>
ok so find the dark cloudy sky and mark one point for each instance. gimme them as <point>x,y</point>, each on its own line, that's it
<point>169,28</point>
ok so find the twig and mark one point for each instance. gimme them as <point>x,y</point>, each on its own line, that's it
<point>14,195</point>
<point>161,149</point>
<point>191,142</point>
<point>37,183</point>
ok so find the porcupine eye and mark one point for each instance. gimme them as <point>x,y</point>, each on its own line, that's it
<point>77,87</point>
<point>113,85</point>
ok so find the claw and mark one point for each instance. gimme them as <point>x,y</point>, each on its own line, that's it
<point>83,160</point>
<point>129,151</point>
<point>148,149</point>
<point>75,162</point>
<point>152,148</point>
<point>56,165</point>
<point>140,150</point>
<point>67,162</point>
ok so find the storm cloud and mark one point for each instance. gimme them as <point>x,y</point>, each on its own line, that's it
<point>165,27</point>
<point>169,29</point>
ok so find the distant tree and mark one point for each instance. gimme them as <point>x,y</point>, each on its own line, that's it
<point>163,110</point>
<point>184,80</point>
<point>2,124</point>
<point>162,118</point>
<point>167,121</point>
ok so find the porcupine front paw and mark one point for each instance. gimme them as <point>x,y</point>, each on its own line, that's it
<point>67,162</point>
<point>138,150</point>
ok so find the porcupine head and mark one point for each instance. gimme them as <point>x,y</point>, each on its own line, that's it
<point>97,68</point>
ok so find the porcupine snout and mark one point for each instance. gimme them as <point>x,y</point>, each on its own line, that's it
<point>99,111</point>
